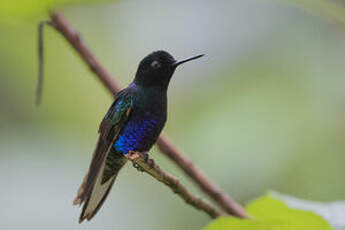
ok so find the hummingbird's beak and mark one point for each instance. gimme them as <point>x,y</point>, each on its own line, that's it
<point>177,63</point>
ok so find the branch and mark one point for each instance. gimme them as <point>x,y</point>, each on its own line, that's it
<point>61,25</point>
<point>225,201</point>
<point>164,144</point>
<point>40,63</point>
<point>148,166</point>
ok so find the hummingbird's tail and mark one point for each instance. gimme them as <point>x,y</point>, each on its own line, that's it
<point>96,195</point>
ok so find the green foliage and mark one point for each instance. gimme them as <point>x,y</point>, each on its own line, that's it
<point>272,214</point>
<point>332,212</point>
<point>18,10</point>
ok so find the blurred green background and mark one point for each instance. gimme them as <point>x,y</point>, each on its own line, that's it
<point>264,109</point>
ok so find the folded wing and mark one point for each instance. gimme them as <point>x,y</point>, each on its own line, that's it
<point>98,181</point>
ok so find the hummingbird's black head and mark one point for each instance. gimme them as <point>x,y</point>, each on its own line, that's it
<point>157,68</point>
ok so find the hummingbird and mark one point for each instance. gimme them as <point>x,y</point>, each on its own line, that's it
<point>133,123</point>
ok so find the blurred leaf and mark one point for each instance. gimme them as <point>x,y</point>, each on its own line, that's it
<point>19,10</point>
<point>272,214</point>
<point>273,210</point>
<point>333,212</point>
<point>224,223</point>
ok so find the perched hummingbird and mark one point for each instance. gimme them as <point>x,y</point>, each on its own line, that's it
<point>132,123</point>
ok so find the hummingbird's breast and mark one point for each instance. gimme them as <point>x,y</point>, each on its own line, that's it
<point>145,123</point>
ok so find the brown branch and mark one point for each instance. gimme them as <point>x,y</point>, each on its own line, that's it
<point>224,200</point>
<point>40,62</point>
<point>164,144</point>
<point>148,166</point>
<point>61,25</point>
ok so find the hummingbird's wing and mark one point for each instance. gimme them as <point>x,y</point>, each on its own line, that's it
<point>94,188</point>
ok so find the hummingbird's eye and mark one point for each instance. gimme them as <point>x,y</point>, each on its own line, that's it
<point>155,64</point>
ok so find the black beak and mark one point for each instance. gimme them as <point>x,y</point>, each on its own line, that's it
<point>177,63</point>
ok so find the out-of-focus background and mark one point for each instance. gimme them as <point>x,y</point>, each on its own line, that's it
<point>264,109</point>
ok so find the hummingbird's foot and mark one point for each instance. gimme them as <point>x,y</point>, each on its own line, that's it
<point>149,161</point>
<point>146,157</point>
<point>138,167</point>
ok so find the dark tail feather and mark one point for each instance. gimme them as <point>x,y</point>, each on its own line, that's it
<point>104,182</point>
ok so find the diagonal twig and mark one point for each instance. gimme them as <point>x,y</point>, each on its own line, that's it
<point>148,166</point>
<point>164,144</point>
<point>40,62</point>
<point>227,203</point>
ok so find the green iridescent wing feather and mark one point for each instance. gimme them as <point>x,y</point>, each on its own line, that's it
<point>94,188</point>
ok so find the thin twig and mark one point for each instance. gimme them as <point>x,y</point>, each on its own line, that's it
<point>62,26</point>
<point>148,166</point>
<point>40,63</point>
<point>225,201</point>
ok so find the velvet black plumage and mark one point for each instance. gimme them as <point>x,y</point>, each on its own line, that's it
<point>132,123</point>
